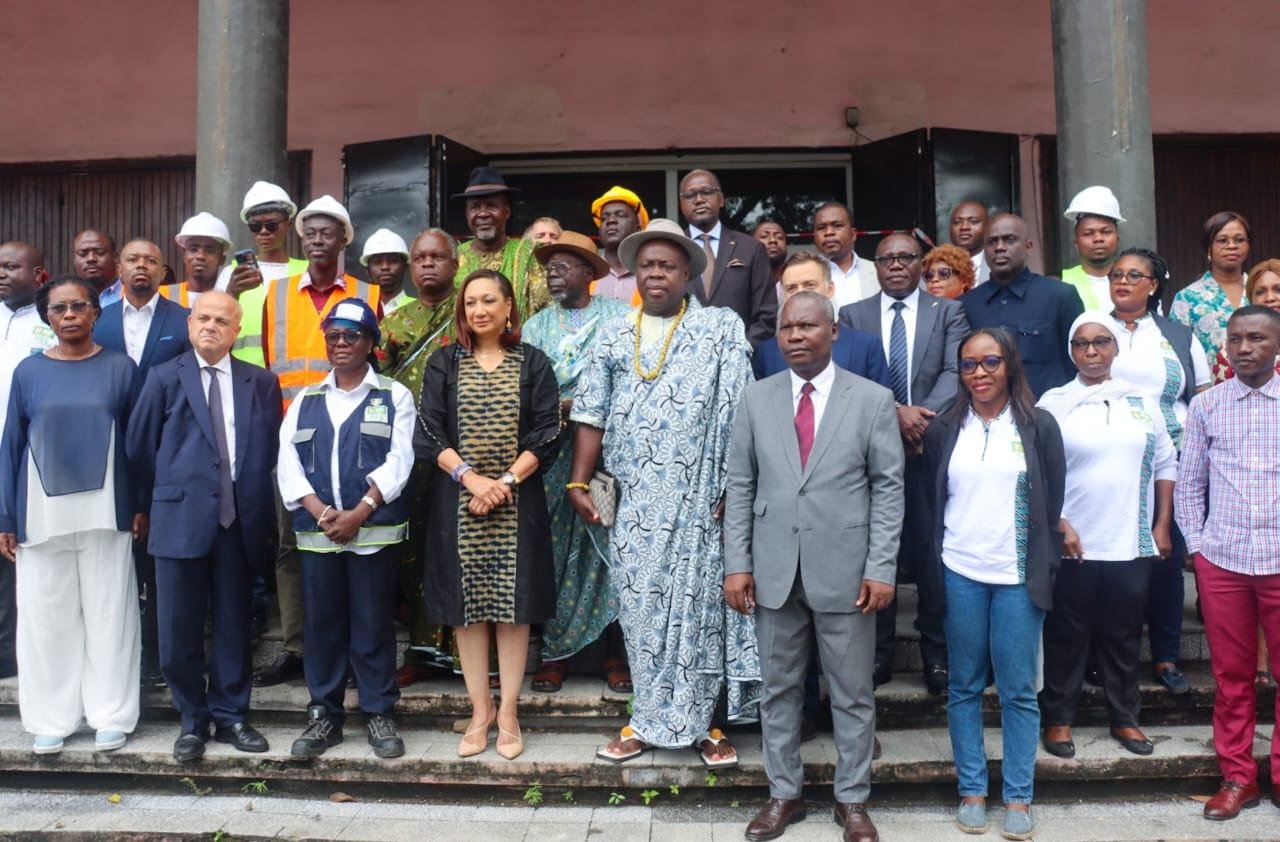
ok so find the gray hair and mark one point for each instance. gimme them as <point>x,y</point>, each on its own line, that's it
<point>828,308</point>
<point>443,234</point>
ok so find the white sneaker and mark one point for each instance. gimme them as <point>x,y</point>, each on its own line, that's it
<point>47,745</point>
<point>108,740</point>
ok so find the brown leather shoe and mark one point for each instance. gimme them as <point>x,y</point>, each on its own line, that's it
<point>1230,800</point>
<point>773,818</point>
<point>856,823</point>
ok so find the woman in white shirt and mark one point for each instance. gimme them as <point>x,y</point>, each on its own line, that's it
<point>1121,465</point>
<point>999,472</point>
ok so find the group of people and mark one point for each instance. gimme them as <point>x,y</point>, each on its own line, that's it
<point>713,456</point>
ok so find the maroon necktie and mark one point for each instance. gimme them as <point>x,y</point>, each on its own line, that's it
<point>804,423</point>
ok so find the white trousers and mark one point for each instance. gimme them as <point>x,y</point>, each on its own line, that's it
<point>78,637</point>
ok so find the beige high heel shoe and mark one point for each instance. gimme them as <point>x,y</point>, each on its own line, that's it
<point>514,747</point>
<point>466,748</point>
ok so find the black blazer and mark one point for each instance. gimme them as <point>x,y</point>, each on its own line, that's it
<point>1047,477</point>
<point>743,282</point>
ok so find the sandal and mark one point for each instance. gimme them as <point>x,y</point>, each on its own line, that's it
<point>466,748</point>
<point>715,736</point>
<point>617,754</point>
<point>617,674</point>
<point>1263,678</point>
<point>550,676</point>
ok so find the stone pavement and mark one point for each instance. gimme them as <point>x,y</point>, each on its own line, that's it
<point>230,818</point>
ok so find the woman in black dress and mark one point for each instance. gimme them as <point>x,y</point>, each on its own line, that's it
<point>490,422</point>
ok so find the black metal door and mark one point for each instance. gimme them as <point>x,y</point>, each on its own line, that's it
<point>387,185</point>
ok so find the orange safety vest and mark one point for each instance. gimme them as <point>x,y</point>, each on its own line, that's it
<point>176,292</point>
<point>297,350</point>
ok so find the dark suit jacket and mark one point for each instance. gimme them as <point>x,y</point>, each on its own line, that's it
<point>174,458</point>
<point>856,351</point>
<point>743,282</point>
<point>1047,479</point>
<point>166,339</point>
<point>940,326</point>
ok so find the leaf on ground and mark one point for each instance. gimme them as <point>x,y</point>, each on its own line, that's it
<point>1203,799</point>
<point>248,808</point>
<point>341,798</point>
<point>114,798</point>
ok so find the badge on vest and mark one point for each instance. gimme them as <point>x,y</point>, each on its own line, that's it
<point>377,412</point>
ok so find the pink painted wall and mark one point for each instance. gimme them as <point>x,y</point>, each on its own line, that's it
<point>111,80</point>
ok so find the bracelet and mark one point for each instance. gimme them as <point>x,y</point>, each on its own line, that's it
<point>569,486</point>
<point>368,501</point>
<point>458,470</point>
<point>326,511</point>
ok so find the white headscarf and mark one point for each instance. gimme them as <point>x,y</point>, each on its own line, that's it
<point>1062,400</point>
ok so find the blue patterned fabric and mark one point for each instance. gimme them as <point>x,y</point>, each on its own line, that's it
<point>666,442</point>
<point>1022,522</point>
<point>898,373</point>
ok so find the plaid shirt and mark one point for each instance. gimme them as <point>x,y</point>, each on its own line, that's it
<point>1231,447</point>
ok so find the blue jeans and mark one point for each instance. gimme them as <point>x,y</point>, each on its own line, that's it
<point>1166,596</point>
<point>994,625</point>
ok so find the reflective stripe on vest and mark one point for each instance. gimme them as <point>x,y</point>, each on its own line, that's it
<point>367,536</point>
<point>168,291</point>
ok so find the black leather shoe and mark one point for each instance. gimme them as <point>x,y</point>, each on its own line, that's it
<point>1143,747</point>
<point>149,674</point>
<point>287,667</point>
<point>383,737</point>
<point>880,674</point>
<point>808,729</point>
<point>189,747</point>
<point>875,748</point>
<point>1174,681</point>
<point>936,679</point>
<point>1092,677</point>
<point>322,734</point>
<point>242,737</point>
<point>1065,749</point>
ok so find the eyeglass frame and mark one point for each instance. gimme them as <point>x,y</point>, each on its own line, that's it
<point>969,365</point>
<point>887,260</point>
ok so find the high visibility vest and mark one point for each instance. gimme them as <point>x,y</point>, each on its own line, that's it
<point>297,347</point>
<point>248,347</point>
<point>177,292</point>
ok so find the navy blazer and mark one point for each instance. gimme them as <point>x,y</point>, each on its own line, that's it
<point>174,458</point>
<point>856,351</point>
<point>166,339</point>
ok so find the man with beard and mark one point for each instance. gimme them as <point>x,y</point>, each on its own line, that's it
<point>618,214</point>
<point>94,254</point>
<point>151,330</point>
<point>410,335</point>
<point>969,232</point>
<point>204,241</point>
<point>387,257</point>
<point>488,206</point>
<point>1096,214</point>
<point>774,239</point>
<point>834,236</point>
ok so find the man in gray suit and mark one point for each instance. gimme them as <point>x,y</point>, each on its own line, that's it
<point>813,508</point>
<point>921,335</point>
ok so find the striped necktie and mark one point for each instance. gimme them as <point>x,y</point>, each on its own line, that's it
<point>898,354</point>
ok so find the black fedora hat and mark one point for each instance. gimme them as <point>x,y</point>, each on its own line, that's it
<point>486,181</point>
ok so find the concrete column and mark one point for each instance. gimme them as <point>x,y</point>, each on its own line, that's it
<point>242,104</point>
<point>1104,113</point>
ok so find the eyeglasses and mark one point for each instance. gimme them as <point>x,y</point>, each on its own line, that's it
<point>701,192</point>
<point>887,260</point>
<point>990,364</point>
<point>1132,277</point>
<point>344,337</point>
<point>1100,343</point>
<point>563,267</point>
<point>942,273</point>
<point>271,227</point>
<point>79,307</point>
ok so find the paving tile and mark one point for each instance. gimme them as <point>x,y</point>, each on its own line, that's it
<point>559,832</point>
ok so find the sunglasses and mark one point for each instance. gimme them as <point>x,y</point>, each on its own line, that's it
<point>256,227</point>
<point>79,307</point>
<point>887,260</point>
<point>943,274</point>
<point>990,364</point>
<point>337,337</point>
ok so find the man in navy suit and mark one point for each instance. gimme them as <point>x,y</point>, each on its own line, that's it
<point>150,329</point>
<point>856,351</point>
<point>202,445</point>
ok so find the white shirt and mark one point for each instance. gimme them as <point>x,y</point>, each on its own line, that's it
<point>822,384</point>
<point>909,312</point>
<point>22,335</point>
<point>1148,361</point>
<point>981,271</point>
<point>984,481</point>
<point>228,406</point>
<point>858,283</point>
<point>389,477</point>
<point>1111,474</point>
<point>137,323</point>
<point>696,234</point>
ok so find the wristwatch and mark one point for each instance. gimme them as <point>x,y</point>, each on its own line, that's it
<point>509,479</point>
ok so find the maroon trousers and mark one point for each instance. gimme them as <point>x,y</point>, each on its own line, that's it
<point>1233,604</point>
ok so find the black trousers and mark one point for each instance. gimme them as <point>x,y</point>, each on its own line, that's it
<point>1098,602</point>
<point>148,614</point>
<point>187,590</point>
<point>347,603</point>
<point>8,618</point>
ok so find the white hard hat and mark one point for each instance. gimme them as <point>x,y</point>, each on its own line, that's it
<point>1095,201</point>
<point>326,205</point>
<point>266,193</point>
<point>204,224</point>
<point>383,241</point>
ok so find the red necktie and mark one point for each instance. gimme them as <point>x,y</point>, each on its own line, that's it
<point>804,423</point>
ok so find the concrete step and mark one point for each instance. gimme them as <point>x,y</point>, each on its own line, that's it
<point>566,760</point>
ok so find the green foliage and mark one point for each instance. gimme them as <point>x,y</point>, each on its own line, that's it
<point>533,795</point>
<point>616,798</point>
<point>712,778</point>
<point>568,796</point>
<point>254,787</point>
<point>648,795</point>
<point>674,789</point>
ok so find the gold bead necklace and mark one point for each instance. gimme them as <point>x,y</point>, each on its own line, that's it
<point>653,373</point>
